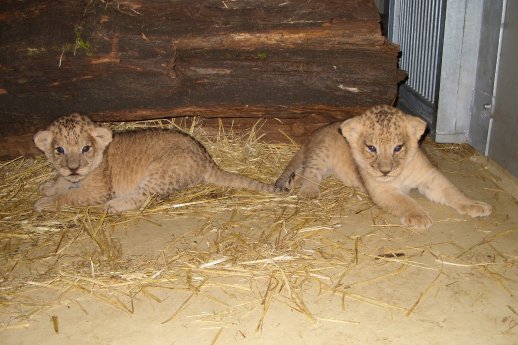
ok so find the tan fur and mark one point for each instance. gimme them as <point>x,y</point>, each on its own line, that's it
<point>122,170</point>
<point>381,155</point>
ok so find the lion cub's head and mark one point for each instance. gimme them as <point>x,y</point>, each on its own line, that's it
<point>382,140</point>
<point>74,145</point>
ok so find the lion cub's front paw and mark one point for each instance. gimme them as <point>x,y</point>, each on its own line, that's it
<point>48,188</point>
<point>280,190</point>
<point>476,209</point>
<point>116,206</point>
<point>309,192</point>
<point>286,183</point>
<point>417,220</point>
<point>46,203</point>
<point>282,184</point>
<point>119,205</point>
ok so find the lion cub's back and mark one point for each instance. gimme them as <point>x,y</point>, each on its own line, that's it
<point>326,135</point>
<point>130,155</point>
<point>152,143</point>
<point>328,144</point>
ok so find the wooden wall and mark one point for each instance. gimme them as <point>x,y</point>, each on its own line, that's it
<point>299,64</point>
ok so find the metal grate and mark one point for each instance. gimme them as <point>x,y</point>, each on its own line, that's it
<point>417,26</point>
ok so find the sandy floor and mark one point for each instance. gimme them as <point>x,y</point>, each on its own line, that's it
<point>455,283</point>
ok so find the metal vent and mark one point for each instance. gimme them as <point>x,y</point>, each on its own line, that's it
<point>417,26</point>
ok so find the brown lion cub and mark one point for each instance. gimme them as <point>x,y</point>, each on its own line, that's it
<point>380,155</point>
<point>122,170</point>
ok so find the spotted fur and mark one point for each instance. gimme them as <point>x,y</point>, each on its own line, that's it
<point>122,170</point>
<point>378,152</point>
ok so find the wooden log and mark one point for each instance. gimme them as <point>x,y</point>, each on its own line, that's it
<point>200,79</point>
<point>297,61</point>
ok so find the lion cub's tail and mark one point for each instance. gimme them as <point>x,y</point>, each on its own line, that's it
<point>219,177</point>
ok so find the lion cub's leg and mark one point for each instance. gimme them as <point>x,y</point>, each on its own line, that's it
<point>55,187</point>
<point>399,204</point>
<point>72,197</point>
<point>126,203</point>
<point>289,178</point>
<point>315,169</point>
<point>438,188</point>
<point>46,203</point>
<point>306,168</point>
<point>345,170</point>
<point>349,179</point>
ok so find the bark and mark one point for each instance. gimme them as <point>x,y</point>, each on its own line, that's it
<point>306,63</point>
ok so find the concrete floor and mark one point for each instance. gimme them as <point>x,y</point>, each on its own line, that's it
<point>455,283</point>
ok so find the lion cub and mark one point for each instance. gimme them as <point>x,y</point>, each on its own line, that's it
<point>122,170</point>
<point>380,155</point>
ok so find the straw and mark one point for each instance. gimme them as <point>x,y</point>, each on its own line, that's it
<point>261,247</point>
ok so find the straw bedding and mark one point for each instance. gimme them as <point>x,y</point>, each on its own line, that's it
<point>269,247</point>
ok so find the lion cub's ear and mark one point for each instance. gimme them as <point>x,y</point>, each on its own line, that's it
<point>43,140</point>
<point>351,128</point>
<point>415,126</point>
<point>103,135</point>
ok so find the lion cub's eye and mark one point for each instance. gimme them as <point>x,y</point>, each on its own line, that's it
<point>398,148</point>
<point>86,148</point>
<point>60,150</point>
<point>371,148</point>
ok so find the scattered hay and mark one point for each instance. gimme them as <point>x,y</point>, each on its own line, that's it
<point>74,249</point>
<point>268,247</point>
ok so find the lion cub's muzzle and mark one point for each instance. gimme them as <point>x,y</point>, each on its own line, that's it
<point>385,166</point>
<point>73,170</point>
<point>72,175</point>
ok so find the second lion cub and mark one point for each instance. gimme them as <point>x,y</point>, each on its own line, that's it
<point>380,155</point>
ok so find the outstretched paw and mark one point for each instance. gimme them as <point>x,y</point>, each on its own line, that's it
<point>417,220</point>
<point>476,209</point>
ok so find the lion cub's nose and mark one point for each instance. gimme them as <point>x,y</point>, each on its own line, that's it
<point>385,168</point>
<point>73,167</point>
<point>73,164</point>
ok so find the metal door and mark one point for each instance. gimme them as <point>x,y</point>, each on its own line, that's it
<point>503,140</point>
